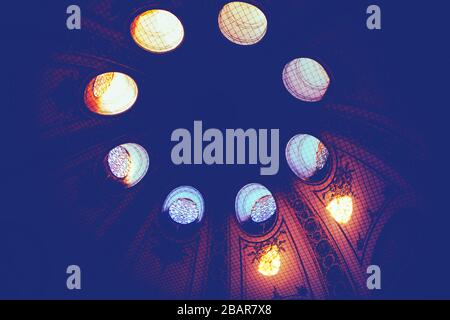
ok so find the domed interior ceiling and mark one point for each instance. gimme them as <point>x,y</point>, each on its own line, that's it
<point>107,201</point>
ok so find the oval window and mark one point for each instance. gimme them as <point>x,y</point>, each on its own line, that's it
<point>110,93</point>
<point>157,31</point>
<point>308,157</point>
<point>306,79</point>
<point>255,208</point>
<point>185,205</point>
<point>242,23</point>
<point>128,164</point>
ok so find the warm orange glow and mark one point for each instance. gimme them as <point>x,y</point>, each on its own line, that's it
<point>270,262</point>
<point>157,31</point>
<point>111,93</point>
<point>341,209</point>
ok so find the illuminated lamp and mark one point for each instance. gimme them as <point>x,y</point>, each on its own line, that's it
<point>157,31</point>
<point>270,261</point>
<point>306,79</point>
<point>341,209</point>
<point>128,164</point>
<point>242,23</point>
<point>185,205</point>
<point>110,93</point>
<point>255,203</point>
<point>306,156</point>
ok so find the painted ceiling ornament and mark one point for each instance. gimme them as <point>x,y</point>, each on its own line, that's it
<point>339,196</point>
<point>326,254</point>
<point>341,184</point>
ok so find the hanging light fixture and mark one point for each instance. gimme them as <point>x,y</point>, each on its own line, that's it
<point>306,79</point>
<point>242,23</point>
<point>110,93</point>
<point>128,164</point>
<point>157,31</point>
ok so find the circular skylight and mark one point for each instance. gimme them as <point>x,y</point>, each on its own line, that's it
<point>157,31</point>
<point>242,23</point>
<point>128,163</point>
<point>255,203</point>
<point>184,205</point>
<point>306,156</point>
<point>306,79</point>
<point>111,93</point>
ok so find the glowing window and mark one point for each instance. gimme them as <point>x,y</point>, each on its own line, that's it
<point>185,205</point>
<point>157,31</point>
<point>306,79</point>
<point>128,163</point>
<point>110,93</point>
<point>341,209</point>
<point>307,157</point>
<point>242,23</point>
<point>255,203</point>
